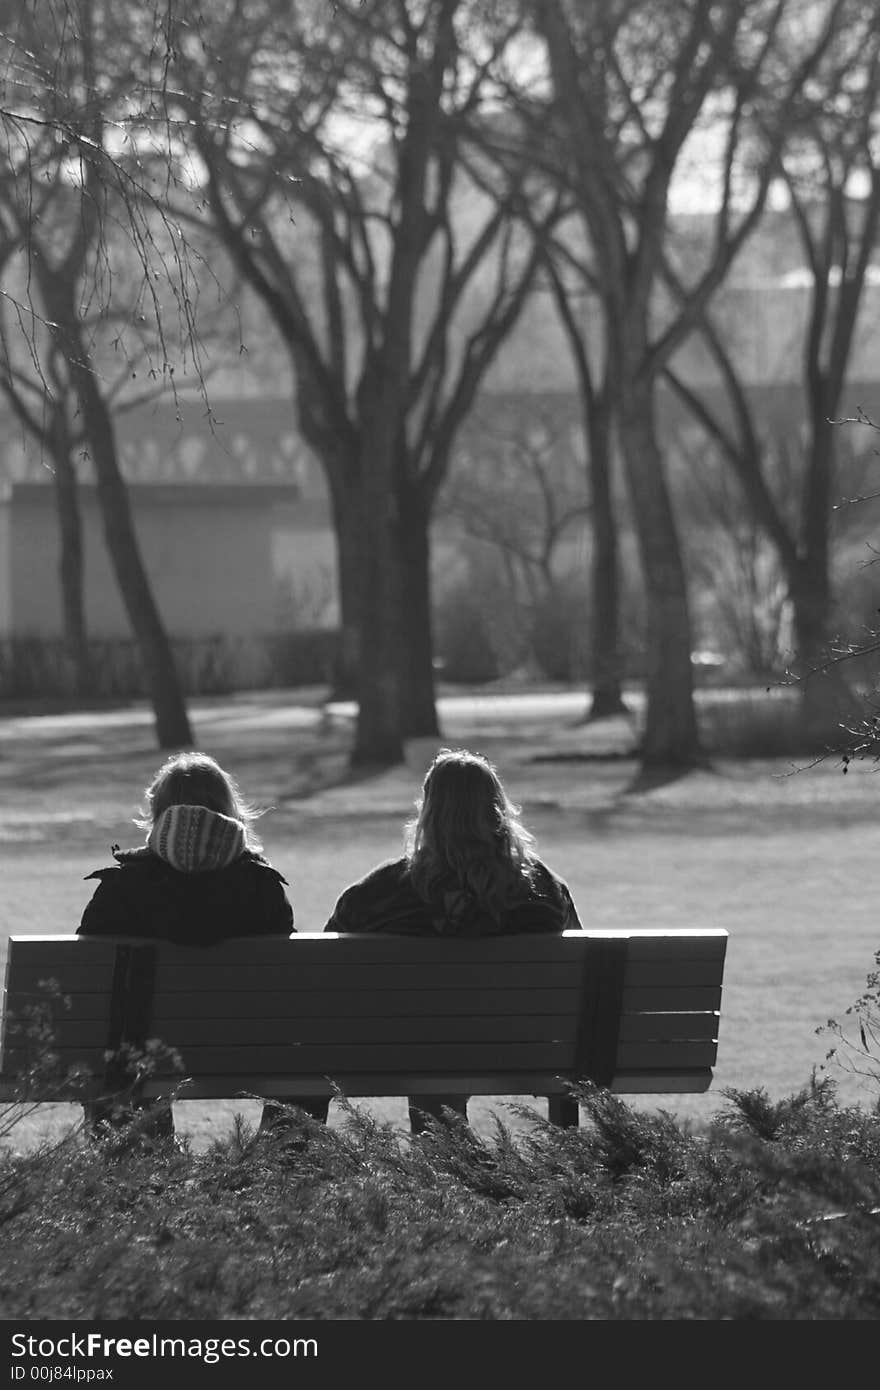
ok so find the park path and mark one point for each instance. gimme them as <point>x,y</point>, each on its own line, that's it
<point>62,773</point>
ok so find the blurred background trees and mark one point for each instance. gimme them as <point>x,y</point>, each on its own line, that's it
<point>396,197</point>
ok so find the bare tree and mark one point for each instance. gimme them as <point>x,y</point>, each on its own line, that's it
<point>571,292</point>
<point>632,83</point>
<point>735,567</point>
<point>829,165</point>
<point>518,486</point>
<point>67,84</point>
<point>45,415</point>
<point>343,165</point>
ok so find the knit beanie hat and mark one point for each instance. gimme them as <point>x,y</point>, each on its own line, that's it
<point>194,840</point>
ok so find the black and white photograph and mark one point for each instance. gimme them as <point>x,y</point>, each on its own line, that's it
<point>439,681</point>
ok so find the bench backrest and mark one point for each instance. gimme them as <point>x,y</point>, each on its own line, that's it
<point>383,1015</point>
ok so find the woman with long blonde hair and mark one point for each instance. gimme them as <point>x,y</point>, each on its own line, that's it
<point>469,869</point>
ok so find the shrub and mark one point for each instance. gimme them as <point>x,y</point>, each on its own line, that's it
<point>465,643</point>
<point>307,656</point>
<point>771,1213</point>
<point>754,724</point>
<point>40,668</point>
<point>559,631</point>
<point>767,1215</point>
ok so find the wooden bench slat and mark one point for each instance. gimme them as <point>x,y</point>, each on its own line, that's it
<point>689,1055</point>
<point>668,1027</point>
<point>315,947</point>
<point>369,1057</point>
<point>209,977</point>
<point>412,976</point>
<point>654,1082</point>
<point>366,1084</point>
<point>38,984</point>
<point>393,1003</point>
<point>318,1003</point>
<point>387,1003</point>
<point>368,976</point>
<point>328,1028</point>
<point>670,999</point>
<point>676,1081</point>
<point>440,1056</point>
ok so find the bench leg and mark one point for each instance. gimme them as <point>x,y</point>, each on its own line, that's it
<point>562,1110</point>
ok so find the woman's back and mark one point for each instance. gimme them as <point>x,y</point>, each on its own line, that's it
<point>470,868</point>
<point>387,900</point>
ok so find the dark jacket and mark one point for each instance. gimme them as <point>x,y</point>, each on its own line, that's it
<point>142,894</point>
<point>386,901</point>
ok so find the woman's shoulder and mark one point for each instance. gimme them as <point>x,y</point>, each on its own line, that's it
<point>384,878</point>
<point>375,900</point>
<point>544,879</point>
<point>551,897</point>
<point>389,871</point>
<point>144,863</point>
<point>255,862</point>
<point>127,861</point>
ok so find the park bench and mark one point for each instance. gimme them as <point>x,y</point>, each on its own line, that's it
<point>636,1011</point>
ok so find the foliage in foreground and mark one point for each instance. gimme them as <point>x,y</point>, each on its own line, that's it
<point>629,1217</point>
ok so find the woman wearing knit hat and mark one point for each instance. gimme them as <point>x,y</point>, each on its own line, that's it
<point>200,877</point>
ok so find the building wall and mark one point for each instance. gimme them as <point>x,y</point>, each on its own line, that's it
<point>32,564</point>
<point>209,553</point>
<point>305,567</point>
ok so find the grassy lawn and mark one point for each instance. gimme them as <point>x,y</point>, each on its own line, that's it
<point>784,860</point>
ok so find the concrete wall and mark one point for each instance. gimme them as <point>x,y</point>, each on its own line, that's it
<point>210,554</point>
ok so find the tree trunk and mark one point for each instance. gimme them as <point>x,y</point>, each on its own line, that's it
<point>670,736</point>
<point>378,736</point>
<point>172,722</point>
<point>606,698</point>
<point>827,701</point>
<point>70,564</point>
<point>163,683</point>
<point>418,708</point>
<point>70,559</point>
<point>346,525</point>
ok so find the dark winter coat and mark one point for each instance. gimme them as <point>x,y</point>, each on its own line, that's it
<point>142,895</point>
<point>386,901</point>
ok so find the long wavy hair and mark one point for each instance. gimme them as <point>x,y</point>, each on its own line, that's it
<point>195,779</point>
<point>467,835</point>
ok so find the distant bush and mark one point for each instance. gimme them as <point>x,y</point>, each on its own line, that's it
<point>307,656</point>
<point>756,724</point>
<point>466,642</point>
<point>40,668</point>
<point>559,632</point>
